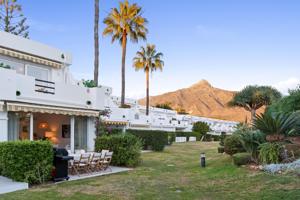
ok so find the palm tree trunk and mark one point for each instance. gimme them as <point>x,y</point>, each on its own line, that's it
<point>147,92</point>
<point>124,44</point>
<point>253,115</point>
<point>96,42</point>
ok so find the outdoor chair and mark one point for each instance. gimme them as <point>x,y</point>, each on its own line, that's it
<point>107,160</point>
<point>95,164</point>
<point>83,164</point>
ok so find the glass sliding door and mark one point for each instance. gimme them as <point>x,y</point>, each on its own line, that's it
<point>13,126</point>
<point>80,133</point>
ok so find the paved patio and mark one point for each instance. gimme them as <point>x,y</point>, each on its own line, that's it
<point>113,170</point>
<point>7,185</point>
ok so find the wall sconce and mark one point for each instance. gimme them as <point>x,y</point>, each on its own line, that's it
<point>43,125</point>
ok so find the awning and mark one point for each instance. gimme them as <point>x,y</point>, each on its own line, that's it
<point>22,107</point>
<point>115,123</point>
<point>30,58</point>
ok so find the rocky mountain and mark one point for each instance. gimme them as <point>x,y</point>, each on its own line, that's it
<point>202,99</point>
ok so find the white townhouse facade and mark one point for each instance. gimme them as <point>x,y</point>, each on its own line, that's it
<point>40,99</point>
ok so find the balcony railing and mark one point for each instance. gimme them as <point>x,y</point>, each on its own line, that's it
<point>43,86</point>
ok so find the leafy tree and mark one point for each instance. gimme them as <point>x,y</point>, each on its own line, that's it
<point>96,42</point>
<point>166,106</point>
<point>149,60</point>
<point>201,127</point>
<point>12,19</point>
<point>288,103</point>
<point>121,23</point>
<point>251,98</point>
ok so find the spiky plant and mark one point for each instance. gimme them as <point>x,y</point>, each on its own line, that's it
<point>278,125</point>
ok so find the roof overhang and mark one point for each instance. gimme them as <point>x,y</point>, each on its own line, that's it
<point>31,58</point>
<point>24,107</point>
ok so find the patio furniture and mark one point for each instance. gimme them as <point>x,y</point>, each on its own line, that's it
<point>83,164</point>
<point>105,164</point>
<point>95,164</point>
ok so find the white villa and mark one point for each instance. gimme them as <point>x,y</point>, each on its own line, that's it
<point>40,99</point>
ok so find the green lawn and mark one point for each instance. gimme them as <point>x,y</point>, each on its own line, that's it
<point>174,174</point>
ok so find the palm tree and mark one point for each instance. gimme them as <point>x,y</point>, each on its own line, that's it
<point>121,23</point>
<point>251,98</point>
<point>149,60</point>
<point>96,42</point>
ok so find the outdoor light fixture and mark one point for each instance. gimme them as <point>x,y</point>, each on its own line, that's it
<point>43,125</point>
<point>49,134</point>
<point>202,159</point>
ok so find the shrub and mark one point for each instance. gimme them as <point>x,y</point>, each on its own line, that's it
<point>233,145</point>
<point>221,149</point>
<point>278,125</point>
<point>126,148</point>
<point>154,140</point>
<point>251,140</point>
<point>26,161</point>
<point>270,152</point>
<point>222,138</point>
<point>241,158</point>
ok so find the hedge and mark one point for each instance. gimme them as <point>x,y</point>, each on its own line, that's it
<point>241,158</point>
<point>26,161</point>
<point>126,148</point>
<point>151,139</point>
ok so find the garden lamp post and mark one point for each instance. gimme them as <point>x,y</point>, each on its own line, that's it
<point>202,159</point>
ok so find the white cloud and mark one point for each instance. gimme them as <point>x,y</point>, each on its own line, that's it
<point>284,86</point>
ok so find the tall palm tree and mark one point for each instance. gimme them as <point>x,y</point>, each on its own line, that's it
<point>121,23</point>
<point>149,60</point>
<point>96,42</point>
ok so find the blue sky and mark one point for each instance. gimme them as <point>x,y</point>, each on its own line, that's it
<point>230,43</point>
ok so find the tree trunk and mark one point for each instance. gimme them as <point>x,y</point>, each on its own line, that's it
<point>147,92</point>
<point>96,42</point>
<point>253,115</point>
<point>124,44</point>
<point>6,18</point>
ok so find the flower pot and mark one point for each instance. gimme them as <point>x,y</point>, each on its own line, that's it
<point>275,137</point>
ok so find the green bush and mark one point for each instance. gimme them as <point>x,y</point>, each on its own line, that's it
<point>26,161</point>
<point>241,158</point>
<point>201,127</point>
<point>222,138</point>
<point>221,149</point>
<point>233,145</point>
<point>270,152</point>
<point>154,140</point>
<point>126,148</point>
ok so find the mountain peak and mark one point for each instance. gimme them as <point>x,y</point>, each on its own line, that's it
<point>202,83</point>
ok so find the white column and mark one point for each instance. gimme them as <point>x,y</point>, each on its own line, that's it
<point>72,137</point>
<point>3,127</point>
<point>91,133</point>
<point>31,127</point>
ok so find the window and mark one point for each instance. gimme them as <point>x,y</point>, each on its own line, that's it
<point>19,67</point>
<point>38,72</point>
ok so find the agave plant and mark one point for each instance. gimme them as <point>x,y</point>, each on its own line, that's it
<point>278,125</point>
